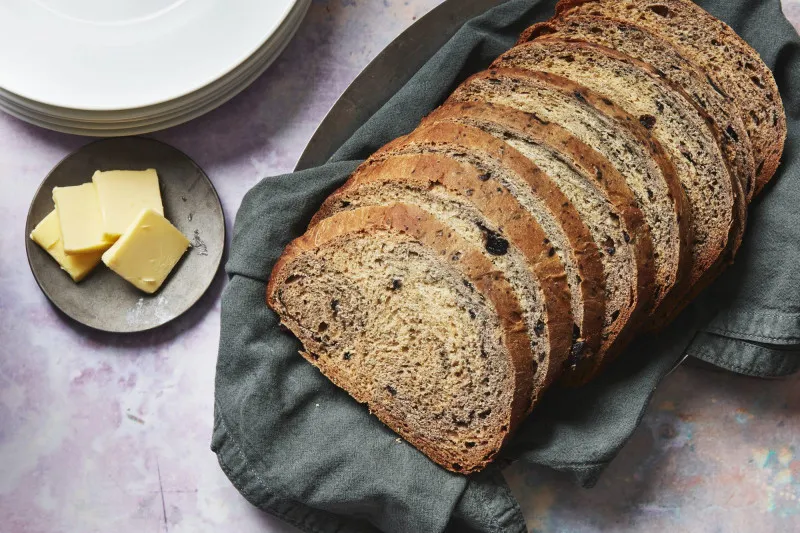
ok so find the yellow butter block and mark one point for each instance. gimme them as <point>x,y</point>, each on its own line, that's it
<point>147,251</point>
<point>123,194</point>
<point>47,234</point>
<point>80,219</point>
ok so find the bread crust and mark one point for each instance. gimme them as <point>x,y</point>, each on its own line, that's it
<point>607,180</point>
<point>464,182</point>
<point>411,223</point>
<point>764,117</point>
<point>584,251</point>
<point>706,259</point>
<point>666,62</point>
<point>682,214</point>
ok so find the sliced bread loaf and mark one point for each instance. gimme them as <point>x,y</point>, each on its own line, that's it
<point>591,182</point>
<point>494,222</point>
<point>507,169</point>
<point>603,200</point>
<point>621,139</point>
<point>414,322</point>
<point>717,203</point>
<point>640,44</point>
<point>717,49</point>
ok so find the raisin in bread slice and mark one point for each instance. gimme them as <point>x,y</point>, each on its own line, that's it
<point>570,238</point>
<point>494,221</point>
<point>717,203</point>
<point>622,140</point>
<point>640,44</point>
<point>603,200</point>
<point>717,49</point>
<point>435,346</point>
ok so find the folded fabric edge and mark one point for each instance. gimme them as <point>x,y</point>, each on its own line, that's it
<point>765,326</point>
<point>746,358</point>
<point>488,501</point>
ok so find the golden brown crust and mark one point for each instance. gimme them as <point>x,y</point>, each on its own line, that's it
<point>636,130</point>
<point>668,314</point>
<point>412,223</point>
<point>710,263</point>
<point>764,117</point>
<point>464,182</point>
<point>583,249</point>
<point>601,174</point>
<point>733,231</point>
<point>666,62</point>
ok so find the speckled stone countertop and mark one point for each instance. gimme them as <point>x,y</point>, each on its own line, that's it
<point>104,433</point>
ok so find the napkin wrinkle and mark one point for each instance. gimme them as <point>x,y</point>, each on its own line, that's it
<point>227,447</point>
<point>259,222</point>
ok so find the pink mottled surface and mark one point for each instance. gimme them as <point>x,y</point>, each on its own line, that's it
<point>106,433</point>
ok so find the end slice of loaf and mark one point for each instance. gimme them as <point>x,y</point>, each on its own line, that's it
<point>494,222</point>
<point>718,205</point>
<point>717,49</point>
<point>622,140</point>
<point>603,200</point>
<point>570,238</point>
<point>435,346</point>
<point>642,45</point>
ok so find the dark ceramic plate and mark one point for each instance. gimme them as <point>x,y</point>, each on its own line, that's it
<point>104,300</point>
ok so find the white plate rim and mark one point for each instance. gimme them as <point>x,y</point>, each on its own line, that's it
<point>156,124</point>
<point>269,32</point>
<point>276,42</point>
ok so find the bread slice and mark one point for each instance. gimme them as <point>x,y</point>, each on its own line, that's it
<point>718,50</point>
<point>570,238</point>
<point>717,204</point>
<point>621,139</point>
<point>634,41</point>
<point>603,200</point>
<point>414,322</point>
<point>456,195</point>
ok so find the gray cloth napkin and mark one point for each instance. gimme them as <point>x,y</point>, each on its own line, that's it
<point>301,449</point>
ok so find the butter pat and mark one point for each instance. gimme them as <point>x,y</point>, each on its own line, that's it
<point>47,234</point>
<point>147,251</point>
<point>80,219</point>
<point>123,194</point>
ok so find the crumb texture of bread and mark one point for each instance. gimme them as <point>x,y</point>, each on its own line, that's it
<point>645,46</point>
<point>717,49</point>
<point>711,189</point>
<point>606,205</point>
<point>506,169</point>
<point>621,139</point>
<point>457,195</point>
<point>433,346</point>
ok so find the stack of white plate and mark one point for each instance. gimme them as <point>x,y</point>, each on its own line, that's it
<point>125,67</point>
